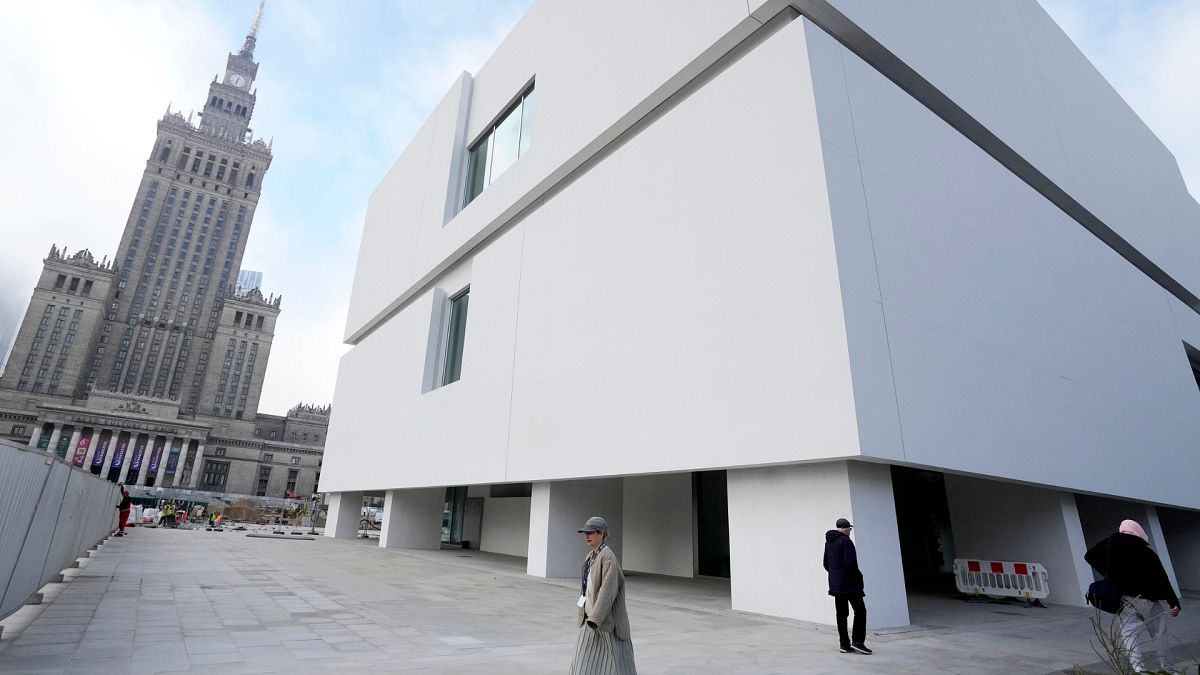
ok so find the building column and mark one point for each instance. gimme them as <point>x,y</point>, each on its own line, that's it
<point>778,517</point>
<point>130,448</point>
<point>141,478</point>
<point>556,512</point>
<point>93,441</point>
<point>197,465</point>
<point>37,434</point>
<point>114,439</point>
<point>344,514</point>
<point>54,436</point>
<point>1159,542</point>
<point>76,434</point>
<point>412,518</point>
<point>184,444</point>
<point>993,520</point>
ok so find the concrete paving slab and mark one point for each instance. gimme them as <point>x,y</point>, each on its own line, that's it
<point>232,604</point>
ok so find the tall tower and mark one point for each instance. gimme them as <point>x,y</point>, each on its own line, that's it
<point>183,244</point>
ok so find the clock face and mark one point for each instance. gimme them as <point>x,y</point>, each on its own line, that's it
<point>237,80</point>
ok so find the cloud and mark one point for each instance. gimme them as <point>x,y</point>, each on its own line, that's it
<point>1150,55</point>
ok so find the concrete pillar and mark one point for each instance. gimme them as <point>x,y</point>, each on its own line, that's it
<point>557,510</point>
<point>76,434</point>
<point>113,439</point>
<point>412,518</point>
<point>345,510</point>
<point>993,520</point>
<point>184,443</point>
<point>778,517</point>
<point>130,444</point>
<point>658,527</point>
<point>197,467</point>
<point>1181,532</point>
<point>37,435</point>
<point>1158,541</point>
<point>147,450</point>
<point>54,436</point>
<point>93,441</point>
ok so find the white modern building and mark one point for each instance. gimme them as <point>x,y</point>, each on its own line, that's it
<point>735,270</point>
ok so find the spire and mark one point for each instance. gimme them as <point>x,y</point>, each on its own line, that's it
<point>252,36</point>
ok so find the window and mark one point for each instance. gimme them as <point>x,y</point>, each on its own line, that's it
<point>456,332</point>
<point>293,474</point>
<point>215,474</point>
<point>264,478</point>
<point>219,452</point>
<point>268,456</point>
<point>500,146</point>
<point>295,460</point>
<point>18,430</point>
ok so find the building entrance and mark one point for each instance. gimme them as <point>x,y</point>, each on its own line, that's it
<point>923,524</point>
<point>712,523</point>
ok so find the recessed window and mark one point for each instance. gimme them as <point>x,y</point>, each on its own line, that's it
<point>456,332</point>
<point>500,147</point>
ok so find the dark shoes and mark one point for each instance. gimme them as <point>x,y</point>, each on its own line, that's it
<point>860,648</point>
<point>844,650</point>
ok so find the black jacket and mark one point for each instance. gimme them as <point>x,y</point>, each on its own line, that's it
<point>841,560</point>
<point>1132,567</point>
<point>125,503</point>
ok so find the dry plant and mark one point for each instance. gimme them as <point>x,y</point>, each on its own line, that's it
<point>1110,647</point>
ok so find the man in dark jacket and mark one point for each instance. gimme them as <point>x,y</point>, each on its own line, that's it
<point>846,586</point>
<point>1137,575</point>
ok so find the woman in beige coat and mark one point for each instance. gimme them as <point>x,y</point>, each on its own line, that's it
<point>603,646</point>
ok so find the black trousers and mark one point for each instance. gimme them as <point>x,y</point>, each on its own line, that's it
<point>843,603</point>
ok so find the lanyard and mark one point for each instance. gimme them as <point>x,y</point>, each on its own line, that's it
<point>588,567</point>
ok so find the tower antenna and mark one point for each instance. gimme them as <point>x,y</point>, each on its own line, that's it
<point>252,36</point>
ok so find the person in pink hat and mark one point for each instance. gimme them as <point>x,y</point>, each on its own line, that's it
<point>1135,572</point>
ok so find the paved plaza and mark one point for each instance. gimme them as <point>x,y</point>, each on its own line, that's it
<point>191,601</point>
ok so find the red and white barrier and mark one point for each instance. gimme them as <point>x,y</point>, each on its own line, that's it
<point>1001,578</point>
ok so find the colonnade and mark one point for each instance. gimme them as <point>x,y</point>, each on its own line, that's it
<point>95,448</point>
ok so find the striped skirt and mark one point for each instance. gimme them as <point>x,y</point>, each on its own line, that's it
<point>599,653</point>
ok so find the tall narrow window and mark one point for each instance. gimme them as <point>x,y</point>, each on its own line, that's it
<point>455,336</point>
<point>500,146</point>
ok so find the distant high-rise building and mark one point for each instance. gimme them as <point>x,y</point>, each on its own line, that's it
<point>134,366</point>
<point>248,280</point>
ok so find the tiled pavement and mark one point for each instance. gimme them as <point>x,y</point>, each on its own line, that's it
<point>166,601</point>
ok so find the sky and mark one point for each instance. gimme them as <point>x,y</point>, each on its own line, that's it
<point>342,86</point>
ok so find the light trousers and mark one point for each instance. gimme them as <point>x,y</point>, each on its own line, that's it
<point>1144,624</point>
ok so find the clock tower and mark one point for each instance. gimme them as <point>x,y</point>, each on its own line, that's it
<point>230,100</point>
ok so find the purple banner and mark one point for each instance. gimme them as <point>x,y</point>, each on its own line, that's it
<point>139,451</point>
<point>81,450</point>
<point>159,444</point>
<point>119,453</point>
<point>101,450</point>
<point>173,459</point>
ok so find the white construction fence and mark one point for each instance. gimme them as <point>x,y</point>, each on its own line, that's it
<point>50,514</point>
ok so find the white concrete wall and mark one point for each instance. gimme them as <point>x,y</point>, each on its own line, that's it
<point>1013,69</point>
<point>778,517</point>
<point>1002,521</point>
<point>997,333</point>
<point>616,329</point>
<point>506,525</point>
<point>659,525</point>
<point>562,45</point>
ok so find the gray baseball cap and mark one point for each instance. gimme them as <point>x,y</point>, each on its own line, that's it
<point>595,524</point>
<point>842,523</point>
